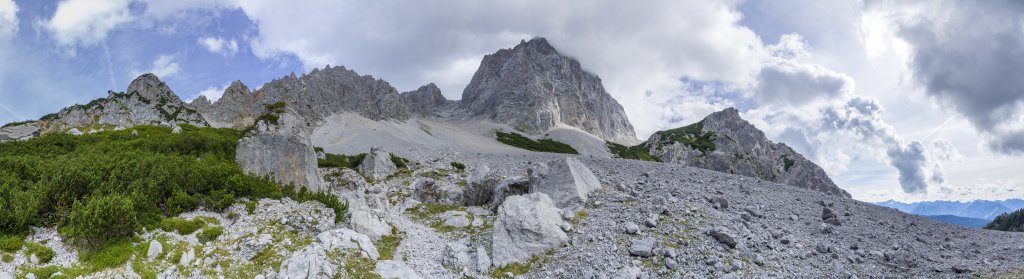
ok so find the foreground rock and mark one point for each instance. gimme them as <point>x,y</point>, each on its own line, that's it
<point>568,182</point>
<point>527,226</point>
<point>282,150</point>
<point>377,164</point>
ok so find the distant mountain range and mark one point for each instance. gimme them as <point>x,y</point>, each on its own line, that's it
<point>962,221</point>
<point>978,209</point>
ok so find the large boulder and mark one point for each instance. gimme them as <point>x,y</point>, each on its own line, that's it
<point>366,223</point>
<point>348,239</point>
<point>527,225</point>
<point>395,269</point>
<point>282,150</point>
<point>377,164</point>
<point>480,186</point>
<point>344,180</point>
<point>310,262</point>
<point>568,182</point>
<point>428,190</point>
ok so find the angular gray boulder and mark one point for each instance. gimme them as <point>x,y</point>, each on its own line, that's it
<point>567,181</point>
<point>19,132</point>
<point>526,226</point>
<point>377,164</point>
<point>282,150</point>
<point>724,142</point>
<point>534,88</point>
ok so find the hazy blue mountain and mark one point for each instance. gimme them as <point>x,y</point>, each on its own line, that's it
<point>962,221</point>
<point>978,209</point>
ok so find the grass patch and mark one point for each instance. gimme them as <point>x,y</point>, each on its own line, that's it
<point>340,161</point>
<point>519,268</point>
<point>43,253</point>
<point>424,211</point>
<point>182,226</point>
<point>387,245</point>
<point>210,234</point>
<point>112,255</point>
<point>636,152</point>
<point>357,266</point>
<point>11,242</point>
<point>542,145</point>
<point>787,162</point>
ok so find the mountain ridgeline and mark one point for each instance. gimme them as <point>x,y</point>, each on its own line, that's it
<point>531,88</point>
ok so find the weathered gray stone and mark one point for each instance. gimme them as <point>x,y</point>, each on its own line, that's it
<point>310,262</point>
<point>515,86</point>
<point>155,249</point>
<point>377,164</point>
<point>395,269</point>
<point>642,247</point>
<point>348,239</point>
<point>526,226</point>
<point>366,223</point>
<point>428,190</point>
<point>723,236</point>
<point>567,181</point>
<point>282,150</point>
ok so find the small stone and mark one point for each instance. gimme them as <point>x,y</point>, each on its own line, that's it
<point>642,248</point>
<point>652,220</point>
<point>632,228</point>
<point>960,269</point>
<point>155,248</point>
<point>723,237</point>
<point>566,227</point>
<point>671,264</point>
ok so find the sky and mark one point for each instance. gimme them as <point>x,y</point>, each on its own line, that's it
<point>905,100</point>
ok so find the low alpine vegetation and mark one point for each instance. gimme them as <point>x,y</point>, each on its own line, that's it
<point>100,188</point>
<point>636,152</point>
<point>1013,222</point>
<point>542,145</point>
<point>340,160</point>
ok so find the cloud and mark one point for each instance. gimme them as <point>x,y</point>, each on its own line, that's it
<point>87,21</point>
<point>211,93</point>
<point>219,45</point>
<point>945,151</point>
<point>8,19</point>
<point>786,80</point>
<point>974,70</point>
<point>163,67</point>
<point>915,169</point>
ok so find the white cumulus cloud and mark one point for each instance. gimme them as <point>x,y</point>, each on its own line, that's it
<point>164,66</point>
<point>219,45</point>
<point>8,19</point>
<point>87,21</point>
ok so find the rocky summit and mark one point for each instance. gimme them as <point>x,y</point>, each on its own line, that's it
<point>333,174</point>
<point>533,88</point>
<point>724,142</point>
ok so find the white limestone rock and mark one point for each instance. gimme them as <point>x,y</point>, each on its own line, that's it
<point>527,225</point>
<point>377,164</point>
<point>282,150</point>
<point>567,181</point>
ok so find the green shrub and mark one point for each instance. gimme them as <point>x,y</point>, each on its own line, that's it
<point>269,117</point>
<point>542,145</point>
<point>182,226</point>
<point>331,201</point>
<point>458,166</point>
<point>210,234</point>
<point>340,161</point>
<point>43,253</point>
<point>102,219</point>
<point>399,161</point>
<point>787,162</point>
<point>636,152</point>
<point>43,181</point>
<point>275,107</point>
<point>692,135</point>
<point>7,257</point>
<point>11,243</point>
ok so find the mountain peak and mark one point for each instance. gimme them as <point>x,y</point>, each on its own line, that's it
<point>149,86</point>
<point>537,44</point>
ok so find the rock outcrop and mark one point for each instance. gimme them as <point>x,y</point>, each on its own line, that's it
<point>527,225</point>
<point>377,164</point>
<point>148,101</point>
<point>22,131</point>
<point>725,142</point>
<point>426,101</point>
<point>533,88</point>
<point>567,181</point>
<point>282,150</point>
<point>314,96</point>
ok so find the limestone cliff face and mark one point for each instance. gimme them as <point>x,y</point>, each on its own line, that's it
<point>426,101</point>
<point>739,148</point>
<point>313,96</point>
<point>148,101</point>
<point>282,150</point>
<point>533,88</point>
